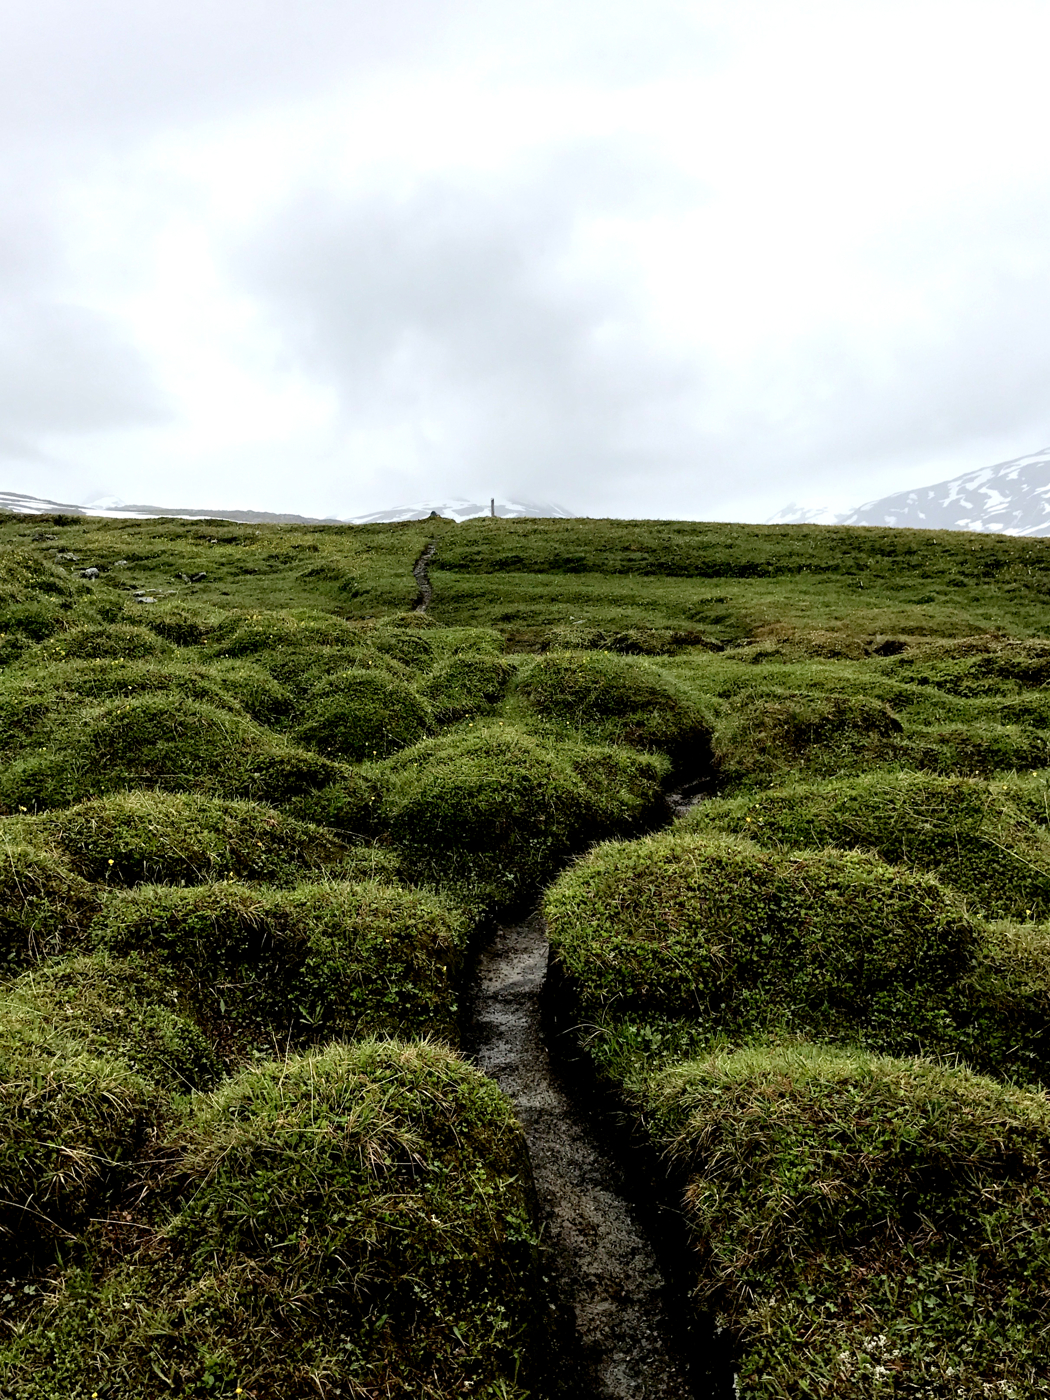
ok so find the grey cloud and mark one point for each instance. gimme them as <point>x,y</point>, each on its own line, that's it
<point>454,308</point>
<point>117,65</point>
<point>64,369</point>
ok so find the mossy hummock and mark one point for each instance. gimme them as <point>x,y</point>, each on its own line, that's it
<point>741,941</point>
<point>355,1222</point>
<point>864,1226</point>
<point>614,699</point>
<point>988,840</point>
<point>328,959</point>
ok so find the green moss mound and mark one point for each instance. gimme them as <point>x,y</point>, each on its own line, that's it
<point>497,812</point>
<point>1002,1008</point>
<point>330,959</point>
<point>975,666</point>
<point>739,940</point>
<point>112,1007</point>
<point>987,840</point>
<point>364,715</point>
<point>978,750</point>
<point>122,641</point>
<point>182,624</point>
<point>251,633</point>
<point>88,1050</point>
<point>468,685</point>
<point>616,700</point>
<point>254,690</point>
<point>27,578</point>
<point>382,1187</point>
<point>153,837</point>
<point>762,736</point>
<point>44,905</point>
<point>866,1226</point>
<point>165,741</point>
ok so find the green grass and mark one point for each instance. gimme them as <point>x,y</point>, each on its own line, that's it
<point>261,815</point>
<point>267,967</point>
<point>356,1221</point>
<point>866,1226</point>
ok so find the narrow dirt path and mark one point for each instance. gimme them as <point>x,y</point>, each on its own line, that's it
<point>606,1271</point>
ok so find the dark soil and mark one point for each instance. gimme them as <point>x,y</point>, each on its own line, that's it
<point>608,1290</point>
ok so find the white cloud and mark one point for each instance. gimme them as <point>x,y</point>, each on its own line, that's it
<point>664,258</point>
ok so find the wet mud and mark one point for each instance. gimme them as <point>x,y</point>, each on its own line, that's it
<point>608,1301</point>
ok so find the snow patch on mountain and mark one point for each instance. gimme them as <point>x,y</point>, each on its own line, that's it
<point>1011,498</point>
<point>459,508</point>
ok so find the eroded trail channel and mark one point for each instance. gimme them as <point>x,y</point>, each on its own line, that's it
<point>606,1273</point>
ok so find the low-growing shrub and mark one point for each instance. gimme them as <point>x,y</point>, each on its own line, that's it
<point>130,838</point>
<point>987,840</point>
<point>864,1226</point>
<point>611,699</point>
<point>742,941</point>
<point>361,1215</point>
<point>363,714</point>
<point>466,685</point>
<point>44,905</point>
<point>317,960</point>
<point>499,812</point>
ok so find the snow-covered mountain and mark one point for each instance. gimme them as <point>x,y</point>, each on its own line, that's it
<point>1011,498</point>
<point>460,509</point>
<point>113,508</point>
<point>793,514</point>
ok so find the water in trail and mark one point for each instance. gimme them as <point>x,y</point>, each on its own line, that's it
<point>606,1270</point>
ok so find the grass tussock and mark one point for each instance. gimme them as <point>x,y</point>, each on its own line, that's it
<point>988,840</point>
<point>867,1226</point>
<point>742,941</point>
<point>263,966</point>
<point>180,838</point>
<point>355,1222</point>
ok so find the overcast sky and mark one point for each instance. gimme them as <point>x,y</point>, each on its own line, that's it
<point>639,257</point>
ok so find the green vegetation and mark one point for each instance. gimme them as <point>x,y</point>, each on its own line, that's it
<point>250,827</point>
<point>44,905</point>
<point>355,1221</point>
<point>275,967</point>
<point>828,945</point>
<point>883,1223</point>
<point>356,715</point>
<point>179,838</point>
<point>89,1050</point>
<point>493,813</point>
<point>988,840</point>
<point>612,700</point>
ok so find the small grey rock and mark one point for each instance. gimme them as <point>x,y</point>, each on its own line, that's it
<point>89,573</point>
<point>196,578</point>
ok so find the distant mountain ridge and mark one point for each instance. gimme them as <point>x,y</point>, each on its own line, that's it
<point>1010,498</point>
<point>111,507</point>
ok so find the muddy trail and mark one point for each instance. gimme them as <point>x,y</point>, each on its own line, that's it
<point>612,1330</point>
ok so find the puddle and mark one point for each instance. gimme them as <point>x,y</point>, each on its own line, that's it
<point>606,1274</point>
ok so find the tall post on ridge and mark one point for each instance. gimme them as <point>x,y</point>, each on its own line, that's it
<point>492,507</point>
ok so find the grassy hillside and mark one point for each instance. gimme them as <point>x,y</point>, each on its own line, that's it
<point>255,813</point>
